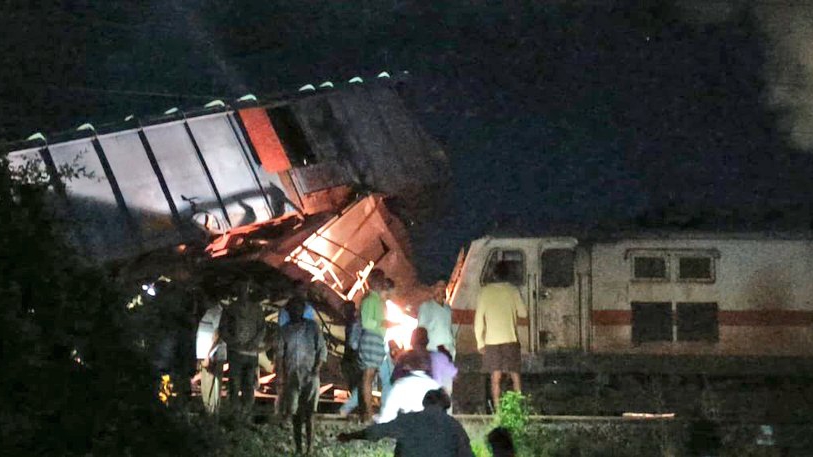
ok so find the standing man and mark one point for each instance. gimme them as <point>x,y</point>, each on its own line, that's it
<point>301,352</point>
<point>300,289</point>
<point>211,354</point>
<point>495,327</point>
<point>435,316</point>
<point>242,327</point>
<point>350,357</point>
<point>371,348</point>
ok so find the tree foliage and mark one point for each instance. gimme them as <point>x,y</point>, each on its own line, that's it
<point>72,382</point>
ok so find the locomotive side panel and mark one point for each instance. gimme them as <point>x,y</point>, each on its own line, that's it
<point>746,297</point>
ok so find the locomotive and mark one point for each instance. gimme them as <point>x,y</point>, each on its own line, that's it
<point>651,321</point>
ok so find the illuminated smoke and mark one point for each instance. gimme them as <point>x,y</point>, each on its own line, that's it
<point>186,17</point>
<point>788,48</point>
<point>789,68</point>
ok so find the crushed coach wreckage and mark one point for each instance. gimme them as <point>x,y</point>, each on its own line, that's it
<point>276,172</point>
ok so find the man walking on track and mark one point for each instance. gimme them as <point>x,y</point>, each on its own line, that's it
<point>499,305</point>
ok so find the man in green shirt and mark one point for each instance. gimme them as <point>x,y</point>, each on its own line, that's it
<point>373,327</point>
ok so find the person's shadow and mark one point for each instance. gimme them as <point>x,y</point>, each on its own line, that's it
<point>249,217</point>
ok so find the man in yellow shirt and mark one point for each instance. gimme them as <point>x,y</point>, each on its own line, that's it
<point>499,305</point>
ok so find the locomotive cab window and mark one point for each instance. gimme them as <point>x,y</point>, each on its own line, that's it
<point>514,260</point>
<point>557,267</point>
<point>651,268</point>
<point>696,268</point>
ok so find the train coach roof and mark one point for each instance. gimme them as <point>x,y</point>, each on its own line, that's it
<point>129,121</point>
<point>614,237</point>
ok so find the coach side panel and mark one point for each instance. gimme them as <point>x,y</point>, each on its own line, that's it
<point>710,297</point>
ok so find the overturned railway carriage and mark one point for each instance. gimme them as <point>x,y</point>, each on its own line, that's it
<point>300,183</point>
<point>151,183</point>
<point>613,319</point>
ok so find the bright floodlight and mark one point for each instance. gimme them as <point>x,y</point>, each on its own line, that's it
<point>86,126</point>
<point>214,103</point>
<point>326,84</point>
<point>356,80</point>
<point>247,98</point>
<point>129,118</point>
<point>307,87</point>
<point>383,74</point>
<point>172,110</point>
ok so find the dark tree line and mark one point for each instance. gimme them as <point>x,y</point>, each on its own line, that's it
<point>74,381</point>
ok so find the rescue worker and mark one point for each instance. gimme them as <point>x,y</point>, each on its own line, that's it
<point>242,327</point>
<point>300,353</point>
<point>499,305</point>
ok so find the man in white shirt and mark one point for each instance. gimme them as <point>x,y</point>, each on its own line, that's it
<point>407,395</point>
<point>436,317</point>
<point>211,354</point>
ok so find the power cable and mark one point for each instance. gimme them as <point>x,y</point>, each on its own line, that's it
<point>135,92</point>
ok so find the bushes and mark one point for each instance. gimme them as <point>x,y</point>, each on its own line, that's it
<point>72,383</point>
<point>585,439</point>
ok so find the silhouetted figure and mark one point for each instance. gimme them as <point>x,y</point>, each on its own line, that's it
<point>350,363</point>
<point>300,354</point>
<point>242,327</point>
<point>430,432</point>
<point>501,443</point>
<point>411,380</point>
<point>417,358</point>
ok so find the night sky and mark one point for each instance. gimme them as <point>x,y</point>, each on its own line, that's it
<point>557,116</point>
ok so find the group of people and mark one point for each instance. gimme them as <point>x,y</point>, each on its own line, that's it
<point>432,431</point>
<point>428,429</point>
<point>416,384</point>
<point>234,331</point>
<point>404,375</point>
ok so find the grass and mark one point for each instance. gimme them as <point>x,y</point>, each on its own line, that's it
<point>532,439</point>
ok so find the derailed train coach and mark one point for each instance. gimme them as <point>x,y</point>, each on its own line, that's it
<point>301,185</point>
<point>146,184</point>
<point>613,316</point>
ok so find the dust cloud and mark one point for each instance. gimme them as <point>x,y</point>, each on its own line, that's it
<point>787,28</point>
